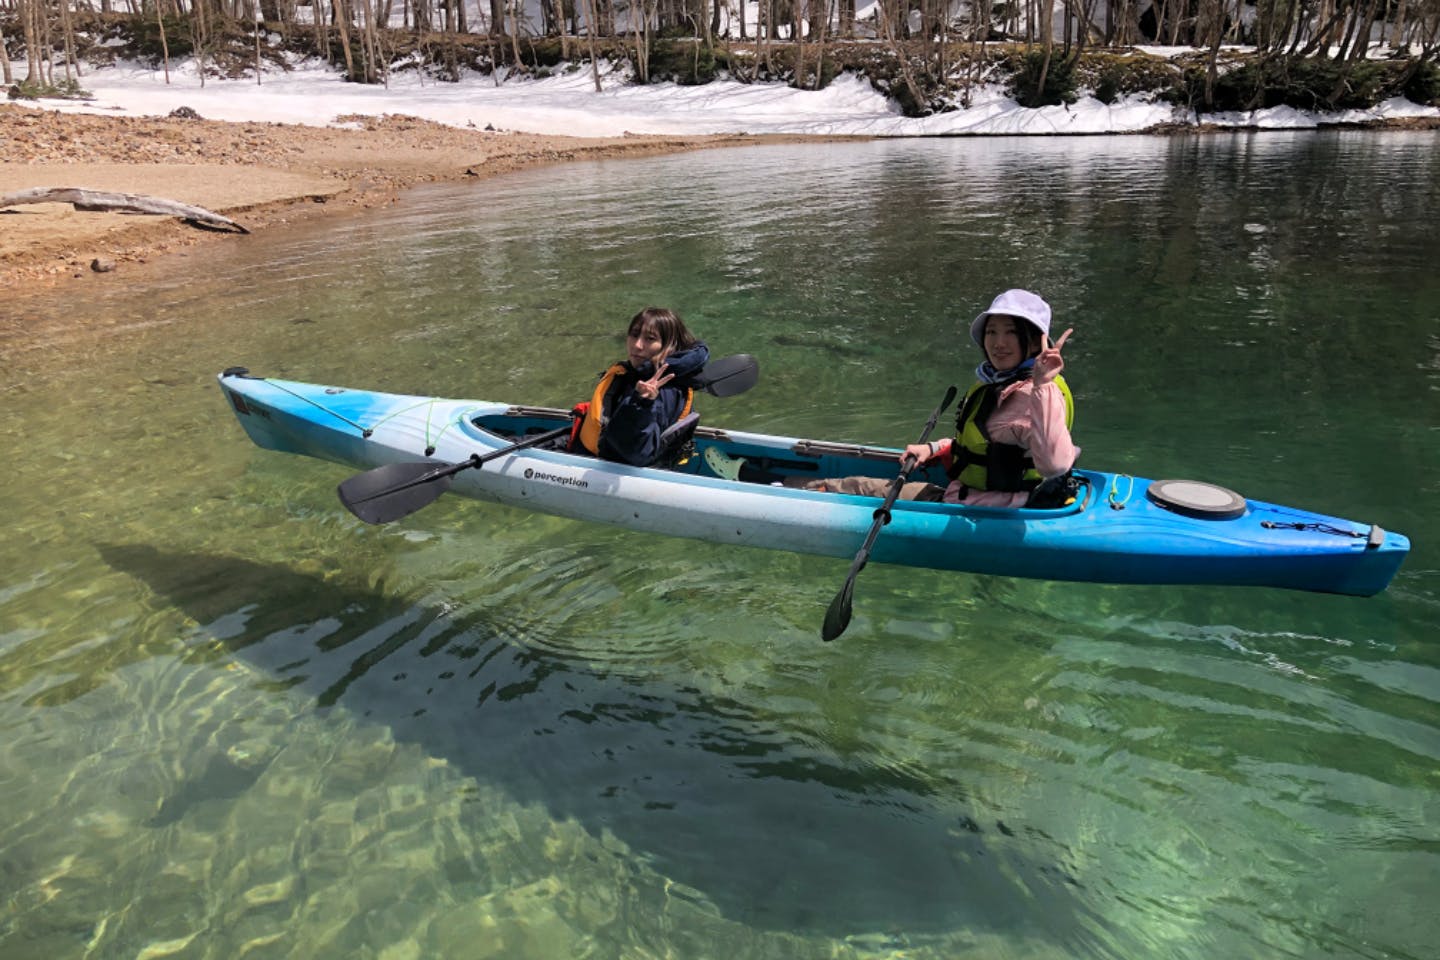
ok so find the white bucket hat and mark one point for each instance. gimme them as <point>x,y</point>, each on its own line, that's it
<point>1014,303</point>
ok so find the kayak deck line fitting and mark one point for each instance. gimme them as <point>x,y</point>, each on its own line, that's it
<point>1120,529</point>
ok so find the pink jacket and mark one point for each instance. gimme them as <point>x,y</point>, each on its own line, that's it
<point>1033,419</point>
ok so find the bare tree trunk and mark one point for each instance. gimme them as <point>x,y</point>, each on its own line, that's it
<point>1087,12</point>
<point>1360,33</point>
<point>164,44</point>
<point>640,33</point>
<point>258,24</point>
<point>1216,27</point>
<point>764,21</point>
<point>1399,37</point>
<point>1362,42</point>
<point>5,62</point>
<point>200,36</point>
<point>942,50</point>
<point>592,16</point>
<point>67,31</point>
<point>979,32</point>
<point>515,31</point>
<point>797,36</point>
<point>1290,32</point>
<point>320,30</point>
<point>47,44</point>
<point>342,22</point>
<point>824,20</point>
<point>1298,31</point>
<point>1323,16</point>
<point>369,46</point>
<point>1322,35</point>
<point>1352,19</point>
<point>33,74</point>
<point>1047,39</point>
<point>884,16</point>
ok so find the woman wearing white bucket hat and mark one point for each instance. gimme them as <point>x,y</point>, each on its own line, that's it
<point>1012,434</point>
<point>1012,445</point>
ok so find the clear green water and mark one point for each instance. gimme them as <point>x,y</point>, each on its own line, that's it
<point>235,722</point>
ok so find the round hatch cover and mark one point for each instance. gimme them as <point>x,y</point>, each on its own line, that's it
<point>1195,499</point>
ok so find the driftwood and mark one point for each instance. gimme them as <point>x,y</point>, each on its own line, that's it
<point>103,201</point>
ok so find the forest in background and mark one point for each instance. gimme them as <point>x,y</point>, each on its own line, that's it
<point>926,54</point>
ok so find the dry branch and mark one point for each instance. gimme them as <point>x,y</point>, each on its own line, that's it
<point>105,201</point>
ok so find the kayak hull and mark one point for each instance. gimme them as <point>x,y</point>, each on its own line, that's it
<point>1114,532</point>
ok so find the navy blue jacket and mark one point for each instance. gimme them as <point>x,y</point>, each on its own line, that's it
<point>633,433</point>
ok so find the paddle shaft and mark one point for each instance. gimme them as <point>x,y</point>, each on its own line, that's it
<point>882,515</point>
<point>837,617</point>
<point>397,490</point>
<point>475,461</point>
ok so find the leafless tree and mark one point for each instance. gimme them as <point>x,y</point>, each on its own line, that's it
<point>5,62</point>
<point>932,42</point>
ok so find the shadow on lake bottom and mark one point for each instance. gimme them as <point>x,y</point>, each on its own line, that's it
<point>777,830</point>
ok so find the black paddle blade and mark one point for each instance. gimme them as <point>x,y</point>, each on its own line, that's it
<point>837,618</point>
<point>393,491</point>
<point>728,376</point>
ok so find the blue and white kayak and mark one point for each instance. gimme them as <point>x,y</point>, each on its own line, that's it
<point>1119,529</point>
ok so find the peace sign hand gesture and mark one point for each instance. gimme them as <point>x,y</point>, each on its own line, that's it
<point>650,389</point>
<point>1049,363</point>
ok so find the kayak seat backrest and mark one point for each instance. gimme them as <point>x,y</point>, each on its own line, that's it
<point>1055,493</point>
<point>677,443</point>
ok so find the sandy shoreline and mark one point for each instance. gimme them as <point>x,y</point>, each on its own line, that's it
<point>257,174</point>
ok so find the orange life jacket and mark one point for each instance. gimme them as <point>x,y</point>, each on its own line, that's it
<point>597,411</point>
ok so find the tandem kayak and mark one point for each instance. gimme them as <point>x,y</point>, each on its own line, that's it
<point>1119,529</point>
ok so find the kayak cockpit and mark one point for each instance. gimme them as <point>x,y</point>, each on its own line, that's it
<point>782,457</point>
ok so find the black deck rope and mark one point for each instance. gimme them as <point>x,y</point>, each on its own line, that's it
<point>1311,525</point>
<point>364,431</point>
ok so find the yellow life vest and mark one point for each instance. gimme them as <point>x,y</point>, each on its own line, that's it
<point>982,464</point>
<point>597,414</point>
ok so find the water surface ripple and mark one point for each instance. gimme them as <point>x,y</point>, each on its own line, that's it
<point>235,721</point>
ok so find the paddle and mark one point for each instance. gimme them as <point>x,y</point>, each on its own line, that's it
<point>729,375</point>
<point>399,489</point>
<point>837,617</point>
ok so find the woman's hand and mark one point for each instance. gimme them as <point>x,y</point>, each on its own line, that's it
<point>1048,362</point>
<point>650,389</point>
<point>922,452</point>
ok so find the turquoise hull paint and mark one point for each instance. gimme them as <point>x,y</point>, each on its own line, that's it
<point>1139,542</point>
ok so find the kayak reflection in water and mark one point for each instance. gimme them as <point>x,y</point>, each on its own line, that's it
<point>633,414</point>
<point>1012,444</point>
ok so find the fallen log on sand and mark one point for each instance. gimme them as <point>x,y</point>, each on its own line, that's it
<point>105,201</point>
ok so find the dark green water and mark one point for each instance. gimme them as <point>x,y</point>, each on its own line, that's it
<point>235,722</point>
